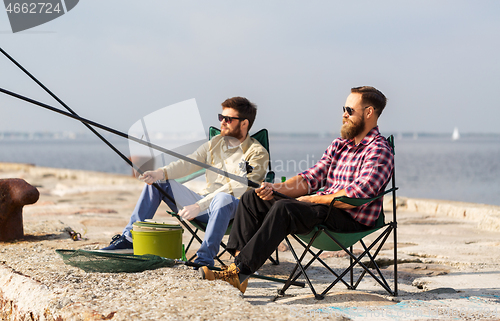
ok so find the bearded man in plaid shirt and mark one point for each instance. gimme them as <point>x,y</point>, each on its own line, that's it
<point>359,165</point>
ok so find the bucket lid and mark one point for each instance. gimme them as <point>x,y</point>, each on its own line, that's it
<point>166,221</point>
<point>153,226</point>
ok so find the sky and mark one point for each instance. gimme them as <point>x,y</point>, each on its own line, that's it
<point>115,61</point>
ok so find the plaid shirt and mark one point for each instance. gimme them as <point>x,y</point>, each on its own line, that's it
<point>363,170</point>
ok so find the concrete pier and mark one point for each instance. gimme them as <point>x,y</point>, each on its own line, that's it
<point>449,254</point>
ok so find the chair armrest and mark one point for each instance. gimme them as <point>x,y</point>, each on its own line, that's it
<point>361,201</point>
<point>269,177</point>
<point>189,177</point>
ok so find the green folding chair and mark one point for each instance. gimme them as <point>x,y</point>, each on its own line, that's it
<point>263,137</point>
<point>323,239</point>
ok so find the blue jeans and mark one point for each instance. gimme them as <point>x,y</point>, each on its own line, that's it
<point>217,216</point>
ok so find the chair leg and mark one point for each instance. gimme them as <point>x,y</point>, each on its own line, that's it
<point>373,263</point>
<point>357,260</point>
<point>221,253</point>
<point>352,272</point>
<point>193,233</point>
<point>274,261</point>
<point>190,241</point>
<point>395,254</point>
<point>289,280</point>
<point>223,245</point>
<point>317,258</point>
<point>294,276</point>
<point>299,265</point>
<point>194,236</point>
<point>300,268</point>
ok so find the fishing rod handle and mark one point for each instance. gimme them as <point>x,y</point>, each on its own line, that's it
<point>275,193</point>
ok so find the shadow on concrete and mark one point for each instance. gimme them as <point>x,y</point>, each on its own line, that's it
<point>43,237</point>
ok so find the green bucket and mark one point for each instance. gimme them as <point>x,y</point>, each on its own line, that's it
<point>165,243</point>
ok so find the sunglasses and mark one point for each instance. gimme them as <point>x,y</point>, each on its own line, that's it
<point>228,119</point>
<point>350,110</point>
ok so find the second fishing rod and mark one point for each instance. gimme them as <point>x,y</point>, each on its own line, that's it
<point>234,177</point>
<point>117,151</point>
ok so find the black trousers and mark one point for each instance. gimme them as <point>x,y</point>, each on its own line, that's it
<point>259,226</point>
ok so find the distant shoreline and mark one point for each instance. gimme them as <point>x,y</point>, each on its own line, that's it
<point>13,136</point>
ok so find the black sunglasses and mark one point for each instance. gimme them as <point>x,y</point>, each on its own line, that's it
<point>228,119</point>
<point>350,110</point>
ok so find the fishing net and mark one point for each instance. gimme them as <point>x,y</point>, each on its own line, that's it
<point>93,261</point>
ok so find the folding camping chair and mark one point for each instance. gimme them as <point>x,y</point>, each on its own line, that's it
<point>324,240</point>
<point>263,137</point>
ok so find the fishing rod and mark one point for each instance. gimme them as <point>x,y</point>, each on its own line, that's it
<point>234,177</point>
<point>126,159</point>
<point>132,138</point>
<point>67,107</point>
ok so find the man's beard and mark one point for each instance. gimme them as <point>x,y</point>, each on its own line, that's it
<point>349,129</point>
<point>236,133</point>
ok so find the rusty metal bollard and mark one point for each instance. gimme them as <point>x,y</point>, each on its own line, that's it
<point>14,194</point>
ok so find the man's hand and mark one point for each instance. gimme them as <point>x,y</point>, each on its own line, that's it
<point>150,177</point>
<point>306,198</point>
<point>265,191</point>
<point>326,200</point>
<point>190,212</point>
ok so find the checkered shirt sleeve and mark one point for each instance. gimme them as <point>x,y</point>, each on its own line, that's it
<point>363,170</point>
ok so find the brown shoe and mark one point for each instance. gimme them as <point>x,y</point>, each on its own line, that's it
<point>230,275</point>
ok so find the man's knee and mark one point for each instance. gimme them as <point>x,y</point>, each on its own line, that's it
<point>283,208</point>
<point>221,200</point>
<point>223,197</point>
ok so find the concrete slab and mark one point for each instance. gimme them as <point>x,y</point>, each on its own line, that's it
<point>448,265</point>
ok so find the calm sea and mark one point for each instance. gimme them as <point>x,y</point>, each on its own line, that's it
<point>433,167</point>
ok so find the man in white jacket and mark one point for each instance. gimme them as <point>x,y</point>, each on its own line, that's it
<point>233,151</point>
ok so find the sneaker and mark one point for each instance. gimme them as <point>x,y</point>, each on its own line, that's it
<point>229,275</point>
<point>119,244</point>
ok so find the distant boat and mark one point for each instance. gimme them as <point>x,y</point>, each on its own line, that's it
<point>456,134</point>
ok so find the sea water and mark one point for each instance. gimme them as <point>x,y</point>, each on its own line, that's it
<point>434,167</point>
